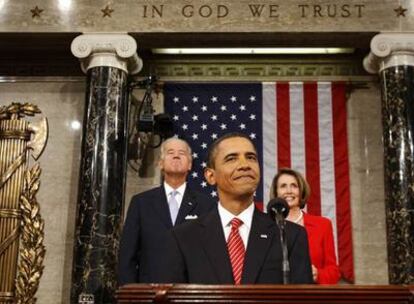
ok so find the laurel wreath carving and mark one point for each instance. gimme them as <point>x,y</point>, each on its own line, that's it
<point>18,110</point>
<point>32,251</point>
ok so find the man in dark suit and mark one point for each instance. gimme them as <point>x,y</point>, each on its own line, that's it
<point>152,213</point>
<point>235,243</point>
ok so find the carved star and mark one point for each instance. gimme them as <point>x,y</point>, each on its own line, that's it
<point>36,12</point>
<point>400,11</point>
<point>107,11</point>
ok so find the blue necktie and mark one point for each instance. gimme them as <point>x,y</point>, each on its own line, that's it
<point>173,204</point>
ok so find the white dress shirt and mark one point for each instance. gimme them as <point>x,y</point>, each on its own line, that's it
<point>246,217</point>
<point>178,196</point>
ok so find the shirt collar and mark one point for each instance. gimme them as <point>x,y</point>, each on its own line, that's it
<point>226,216</point>
<point>169,189</point>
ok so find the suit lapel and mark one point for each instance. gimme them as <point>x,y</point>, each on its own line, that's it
<point>160,204</point>
<point>214,244</point>
<point>188,203</point>
<point>260,239</point>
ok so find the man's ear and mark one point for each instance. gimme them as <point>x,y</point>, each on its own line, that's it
<point>209,175</point>
<point>161,164</point>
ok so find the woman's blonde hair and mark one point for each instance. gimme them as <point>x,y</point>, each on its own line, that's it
<point>304,189</point>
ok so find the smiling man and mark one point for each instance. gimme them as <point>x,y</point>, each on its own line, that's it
<point>235,243</point>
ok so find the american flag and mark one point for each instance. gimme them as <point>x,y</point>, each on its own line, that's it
<point>297,125</point>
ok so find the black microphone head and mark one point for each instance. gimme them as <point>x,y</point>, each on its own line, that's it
<point>278,206</point>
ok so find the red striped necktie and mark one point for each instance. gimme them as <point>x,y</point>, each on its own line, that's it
<point>236,250</point>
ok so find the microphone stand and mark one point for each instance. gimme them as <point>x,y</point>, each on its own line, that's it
<point>280,221</point>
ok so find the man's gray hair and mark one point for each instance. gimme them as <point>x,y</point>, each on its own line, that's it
<point>162,148</point>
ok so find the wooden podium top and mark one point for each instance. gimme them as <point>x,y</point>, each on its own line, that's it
<point>310,294</point>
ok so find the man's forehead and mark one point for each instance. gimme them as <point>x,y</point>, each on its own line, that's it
<point>236,145</point>
<point>174,148</point>
<point>176,144</point>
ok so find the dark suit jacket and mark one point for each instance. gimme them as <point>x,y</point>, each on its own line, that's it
<point>199,254</point>
<point>144,237</point>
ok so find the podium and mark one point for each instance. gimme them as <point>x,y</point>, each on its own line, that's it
<point>309,294</point>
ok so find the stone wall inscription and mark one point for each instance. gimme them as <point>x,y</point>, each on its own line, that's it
<point>257,10</point>
<point>208,16</point>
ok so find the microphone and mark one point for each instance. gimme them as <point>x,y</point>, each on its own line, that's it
<point>278,209</point>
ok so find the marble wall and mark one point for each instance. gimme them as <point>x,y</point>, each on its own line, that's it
<point>62,102</point>
<point>367,185</point>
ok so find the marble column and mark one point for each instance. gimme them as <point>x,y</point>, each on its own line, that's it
<point>106,59</point>
<point>392,56</point>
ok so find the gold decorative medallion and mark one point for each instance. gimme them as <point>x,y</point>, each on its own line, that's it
<point>32,250</point>
<point>21,242</point>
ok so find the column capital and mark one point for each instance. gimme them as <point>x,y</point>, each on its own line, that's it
<point>117,50</point>
<point>390,49</point>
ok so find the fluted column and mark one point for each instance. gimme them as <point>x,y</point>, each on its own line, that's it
<point>392,56</point>
<point>106,59</point>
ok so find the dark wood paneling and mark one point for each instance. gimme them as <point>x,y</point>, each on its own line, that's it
<point>310,294</point>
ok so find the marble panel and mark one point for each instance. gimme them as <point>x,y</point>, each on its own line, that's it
<point>370,267</point>
<point>367,185</point>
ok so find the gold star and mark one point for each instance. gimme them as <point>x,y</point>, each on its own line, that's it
<point>400,11</point>
<point>107,11</point>
<point>36,12</point>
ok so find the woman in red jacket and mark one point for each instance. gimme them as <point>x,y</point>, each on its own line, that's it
<point>291,186</point>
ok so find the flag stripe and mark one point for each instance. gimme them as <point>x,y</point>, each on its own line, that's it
<point>328,199</point>
<point>283,125</point>
<point>297,134</point>
<point>312,147</point>
<point>342,186</point>
<point>269,135</point>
